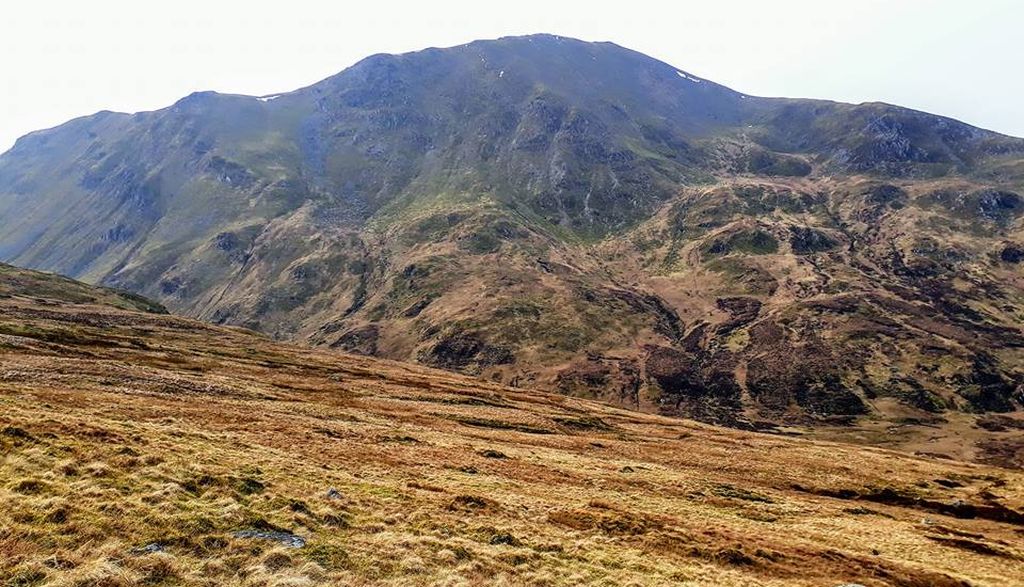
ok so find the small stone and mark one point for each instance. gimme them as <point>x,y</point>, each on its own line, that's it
<point>149,548</point>
<point>289,540</point>
<point>333,493</point>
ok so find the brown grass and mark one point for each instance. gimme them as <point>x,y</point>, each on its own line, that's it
<point>134,450</point>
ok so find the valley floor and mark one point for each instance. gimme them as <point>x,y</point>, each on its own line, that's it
<point>142,449</point>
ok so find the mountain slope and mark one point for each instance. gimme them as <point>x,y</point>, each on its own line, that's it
<point>141,449</point>
<point>50,288</point>
<point>570,215</point>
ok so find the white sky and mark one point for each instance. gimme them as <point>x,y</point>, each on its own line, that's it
<point>61,59</point>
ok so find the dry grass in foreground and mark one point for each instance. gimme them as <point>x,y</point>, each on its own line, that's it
<point>141,449</point>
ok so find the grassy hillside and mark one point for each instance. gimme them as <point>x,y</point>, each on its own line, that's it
<point>145,449</point>
<point>48,288</point>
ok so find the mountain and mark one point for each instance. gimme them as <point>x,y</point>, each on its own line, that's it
<point>140,448</point>
<point>571,216</point>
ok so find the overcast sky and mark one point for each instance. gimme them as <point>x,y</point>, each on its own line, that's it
<point>62,59</point>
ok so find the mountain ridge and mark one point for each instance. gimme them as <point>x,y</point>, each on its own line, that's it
<point>568,215</point>
<point>535,36</point>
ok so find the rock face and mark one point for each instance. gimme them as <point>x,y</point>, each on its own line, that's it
<point>569,215</point>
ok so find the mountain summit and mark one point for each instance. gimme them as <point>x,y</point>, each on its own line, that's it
<point>570,215</point>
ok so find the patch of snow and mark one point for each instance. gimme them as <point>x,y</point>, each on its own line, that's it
<point>691,78</point>
<point>269,98</point>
